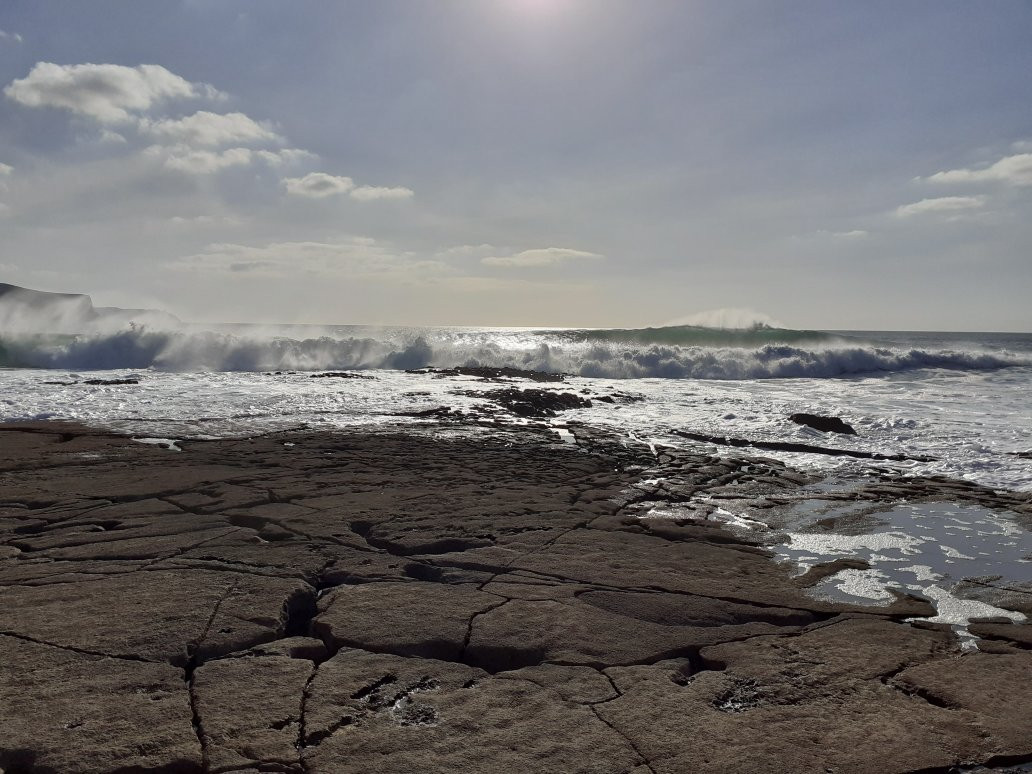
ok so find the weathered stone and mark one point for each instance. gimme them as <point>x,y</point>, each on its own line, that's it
<point>430,620</point>
<point>249,710</point>
<point>997,688</point>
<point>67,711</point>
<point>437,553</point>
<point>183,613</point>
<point>376,713</point>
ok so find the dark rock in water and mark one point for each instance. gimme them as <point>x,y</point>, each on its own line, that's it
<point>796,447</point>
<point>492,374</point>
<point>535,403</point>
<point>620,397</point>
<point>340,375</point>
<point>95,382</point>
<point>824,424</point>
<point>439,412</point>
<point>1026,455</point>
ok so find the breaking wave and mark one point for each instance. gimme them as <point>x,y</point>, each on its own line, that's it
<point>683,352</point>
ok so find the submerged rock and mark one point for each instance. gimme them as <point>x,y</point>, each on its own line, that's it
<point>824,424</point>
<point>339,375</point>
<point>489,373</point>
<point>535,403</point>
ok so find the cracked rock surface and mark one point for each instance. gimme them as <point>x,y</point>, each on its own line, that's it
<point>388,602</point>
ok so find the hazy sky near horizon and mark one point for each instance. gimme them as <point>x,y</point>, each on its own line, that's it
<point>523,162</point>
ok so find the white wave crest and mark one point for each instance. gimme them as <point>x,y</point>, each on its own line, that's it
<point>219,351</point>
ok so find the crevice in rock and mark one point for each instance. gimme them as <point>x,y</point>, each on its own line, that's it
<point>301,608</point>
<point>195,714</point>
<point>469,631</point>
<point>81,651</point>
<point>644,761</point>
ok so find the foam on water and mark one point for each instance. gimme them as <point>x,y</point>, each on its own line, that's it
<point>682,352</point>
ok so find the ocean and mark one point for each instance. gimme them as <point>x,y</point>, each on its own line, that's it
<point>960,399</point>
<point>957,405</point>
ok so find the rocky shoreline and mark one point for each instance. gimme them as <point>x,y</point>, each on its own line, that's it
<point>441,600</point>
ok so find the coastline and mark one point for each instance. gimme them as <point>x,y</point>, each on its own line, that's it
<point>327,601</point>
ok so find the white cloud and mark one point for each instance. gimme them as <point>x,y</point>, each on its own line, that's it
<point>354,257</point>
<point>465,250</point>
<point>206,128</point>
<point>544,256</point>
<point>368,193</point>
<point>318,185</point>
<point>284,156</point>
<point>106,92</point>
<point>182,158</point>
<point>847,235</point>
<point>107,136</point>
<point>10,36</point>
<point>206,220</point>
<point>204,162</point>
<point>1014,170</point>
<point>946,205</point>
<point>5,169</point>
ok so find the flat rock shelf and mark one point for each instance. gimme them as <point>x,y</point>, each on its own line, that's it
<point>441,601</point>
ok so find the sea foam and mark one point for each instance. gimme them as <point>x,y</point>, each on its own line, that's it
<point>617,354</point>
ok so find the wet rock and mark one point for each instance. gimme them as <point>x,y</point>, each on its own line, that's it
<point>824,424</point>
<point>533,402</point>
<point>795,447</point>
<point>489,373</point>
<point>110,382</point>
<point>340,375</point>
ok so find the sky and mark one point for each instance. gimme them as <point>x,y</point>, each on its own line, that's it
<point>596,163</point>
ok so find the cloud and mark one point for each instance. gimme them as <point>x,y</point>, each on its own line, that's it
<point>205,220</point>
<point>5,169</point>
<point>544,256</point>
<point>109,93</point>
<point>210,129</point>
<point>203,162</point>
<point>354,257</point>
<point>318,185</point>
<point>846,235</point>
<point>182,158</point>
<point>946,205</point>
<point>367,193</point>
<point>1013,170</point>
<point>10,36</point>
<point>465,250</point>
